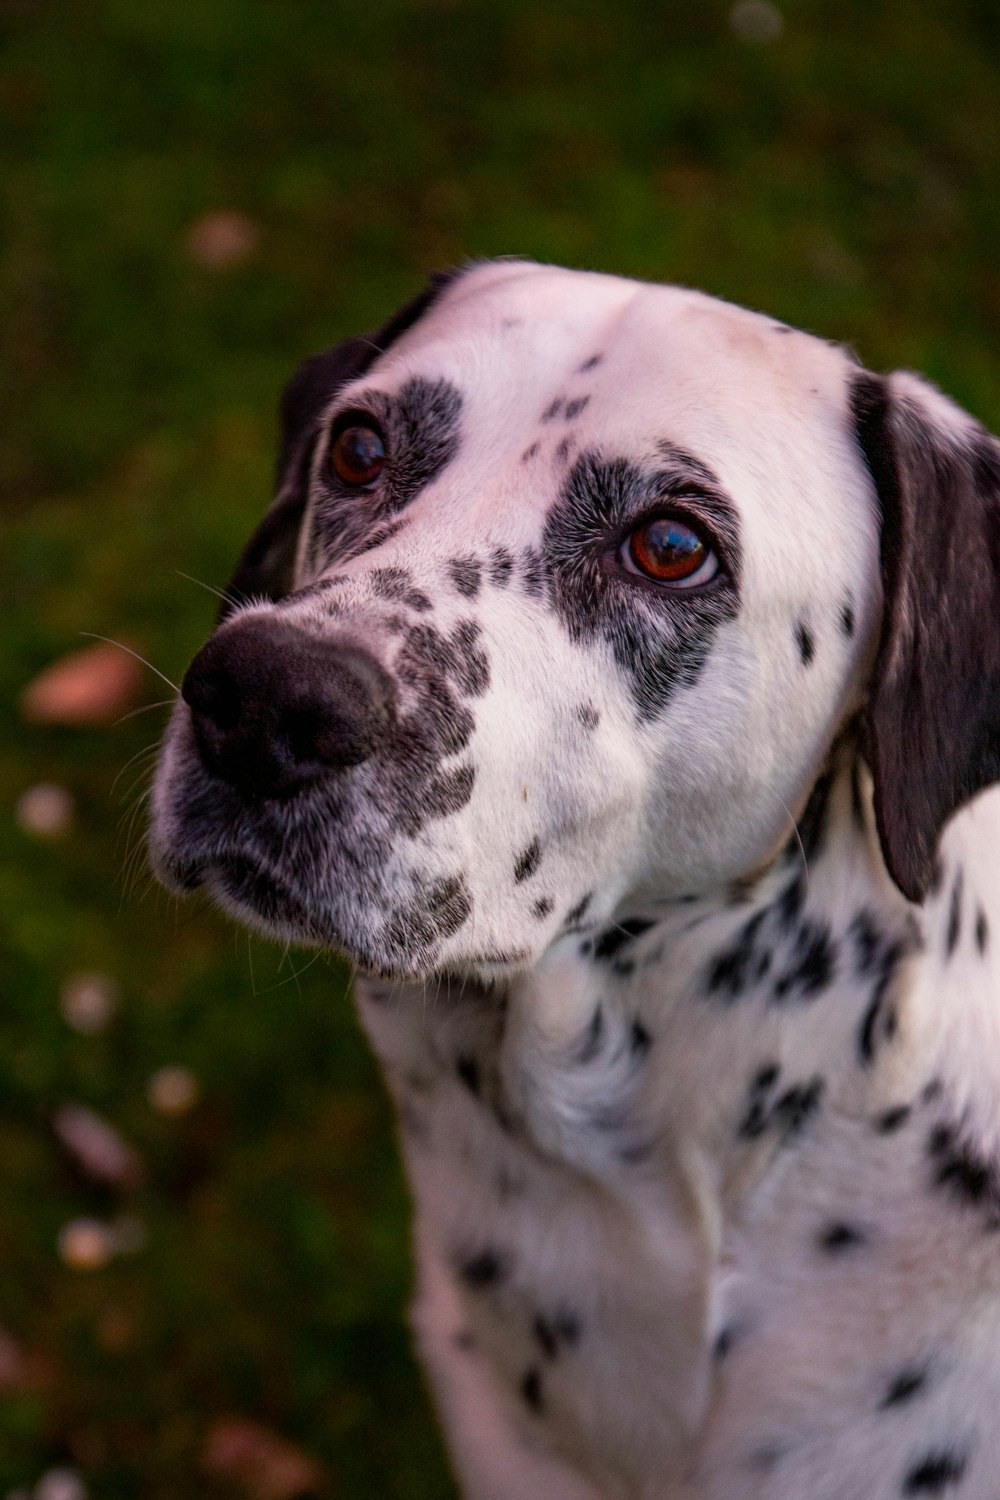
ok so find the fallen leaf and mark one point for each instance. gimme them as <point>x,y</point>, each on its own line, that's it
<point>173,1091</point>
<point>266,1465</point>
<point>87,1002</point>
<point>94,685</point>
<point>223,239</point>
<point>86,1245</point>
<point>96,1147</point>
<point>46,810</point>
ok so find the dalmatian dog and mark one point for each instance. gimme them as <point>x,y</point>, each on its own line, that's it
<point>615,682</point>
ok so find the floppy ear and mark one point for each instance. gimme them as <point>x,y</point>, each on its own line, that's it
<point>266,568</point>
<point>932,722</point>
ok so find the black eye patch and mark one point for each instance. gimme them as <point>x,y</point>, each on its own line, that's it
<point>421,423</point>
<point>661,641</point>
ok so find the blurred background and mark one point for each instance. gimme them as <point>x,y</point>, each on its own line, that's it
<point>203,1240</point>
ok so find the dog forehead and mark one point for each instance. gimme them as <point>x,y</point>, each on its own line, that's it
<point>632,362</point>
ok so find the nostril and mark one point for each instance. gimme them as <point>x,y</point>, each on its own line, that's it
<point>214,696</point>
<point>303,730</point>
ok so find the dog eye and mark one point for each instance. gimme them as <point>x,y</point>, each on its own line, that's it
<point>668,550</point>
<point>357,455</point>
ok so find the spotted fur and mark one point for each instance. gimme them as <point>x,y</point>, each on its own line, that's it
<point>672,919</point>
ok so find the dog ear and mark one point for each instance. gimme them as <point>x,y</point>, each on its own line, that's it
<point>932,721</point>
<point>266,568</point>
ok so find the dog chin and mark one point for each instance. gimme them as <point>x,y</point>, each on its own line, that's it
<point>243,890</point>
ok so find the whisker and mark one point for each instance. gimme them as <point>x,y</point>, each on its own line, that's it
<point>222,594</point>
<point>145,709</point>
<point>93,636</point>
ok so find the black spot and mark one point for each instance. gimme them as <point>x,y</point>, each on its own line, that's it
<point>766,1077</point>
<point>466,575</point>
<point>867,939</point>
<point>564,449</point>
<point>982,931</point>
<point>437,915</point>
<point>527,863</point>
<point>836,1238</point>
<point>574,408</point>
<point>954,917</point>
<point>567,1327</point>
<point>483,1270</point>
<point>730,971</point>
<point>448,793</point>
<point>612,939</point>
<point>847,619</point>
<point>468,1071</point>
<point>876,1017</point>
<point>786,1115</point>
<point>724,1341</point>
<point>533,572</point>
<point>813,964</point>
<point>593,1037</point>
<point>470,664</point>
<point>806,644</point>
<point>588,715</point>
<point>551,1334</point>
<point>905,1386</point>
<point>501,567</point>
<point>553,409</point>
<point>893,1119</point>
<point>389,583</point>
<point>530,452</point>
<point>796,1107</point>
<point>660,642</point>
<point>791,900</point>
<point>590,364</point>
<point>961,1170</point>
<point>933,1473</point>
<point>932,1090</point>
<point>464,1340</point>
<point>576,913</point>
<point>395,583</point>
<point>639,1039</point>
<point>531,1390</point>
<point>545,1336</point>
<point>542,907</point>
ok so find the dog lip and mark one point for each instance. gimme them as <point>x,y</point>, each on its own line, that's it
<point>182,876</point>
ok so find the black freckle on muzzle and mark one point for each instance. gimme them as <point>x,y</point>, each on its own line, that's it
<point>275,708</point>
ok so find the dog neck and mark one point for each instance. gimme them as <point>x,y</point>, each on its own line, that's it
<point>714,1034</point>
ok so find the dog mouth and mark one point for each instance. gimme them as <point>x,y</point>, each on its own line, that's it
<point>247,890</point>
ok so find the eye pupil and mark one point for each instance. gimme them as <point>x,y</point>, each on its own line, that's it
<point>357,455</point>
<point>667,549</point>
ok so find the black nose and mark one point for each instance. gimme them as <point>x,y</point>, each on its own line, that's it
<point>275,708</point>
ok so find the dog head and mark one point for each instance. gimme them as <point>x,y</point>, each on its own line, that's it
<point>569,584</point>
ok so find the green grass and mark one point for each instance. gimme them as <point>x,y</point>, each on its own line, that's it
<point>843,177</point>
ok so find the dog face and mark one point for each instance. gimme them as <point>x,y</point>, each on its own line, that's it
<point>565,594</point>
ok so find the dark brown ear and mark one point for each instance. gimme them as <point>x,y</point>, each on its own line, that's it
<point>932,722</point>
<point>266,569</point>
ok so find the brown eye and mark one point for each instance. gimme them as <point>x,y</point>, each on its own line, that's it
<point>357,455</point>
<point>670,551</point>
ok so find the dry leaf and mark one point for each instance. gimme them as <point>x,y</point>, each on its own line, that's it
<point>220,240</point>
<point>96,1147</point>
<point>268,1467</point>
<point>94,685</point>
